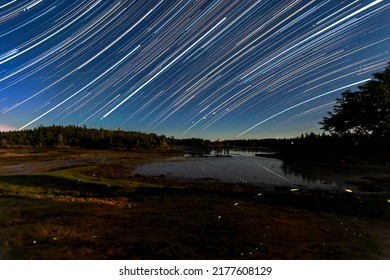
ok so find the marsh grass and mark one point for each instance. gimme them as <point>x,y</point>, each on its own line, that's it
<point>177,226</point>
<point>102,211</point>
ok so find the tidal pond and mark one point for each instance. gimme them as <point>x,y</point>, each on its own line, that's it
<point>247,166</point>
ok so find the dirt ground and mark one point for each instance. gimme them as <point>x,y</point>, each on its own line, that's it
<point>68,203</point>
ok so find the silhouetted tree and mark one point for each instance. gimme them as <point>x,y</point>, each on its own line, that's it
<point>365,111</point>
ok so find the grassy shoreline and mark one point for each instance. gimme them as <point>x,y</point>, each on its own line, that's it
<point>87,204</point>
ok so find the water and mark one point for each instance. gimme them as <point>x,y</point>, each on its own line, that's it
<point>243,166</point>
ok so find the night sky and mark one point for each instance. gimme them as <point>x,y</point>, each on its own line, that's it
<point>209,69</point>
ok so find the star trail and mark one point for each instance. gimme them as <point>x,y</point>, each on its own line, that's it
<point>210,69</point>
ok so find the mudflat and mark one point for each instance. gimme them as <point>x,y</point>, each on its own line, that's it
<point>69,203</point>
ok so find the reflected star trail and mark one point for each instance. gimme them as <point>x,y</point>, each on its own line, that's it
<point>210,69</point>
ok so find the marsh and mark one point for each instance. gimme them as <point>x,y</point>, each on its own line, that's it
<point>94,204</point>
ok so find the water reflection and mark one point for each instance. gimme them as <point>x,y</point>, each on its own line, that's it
<point>309,174</point>
<point>359,178</point>
<point>226,152</point>
<point>247,166</point>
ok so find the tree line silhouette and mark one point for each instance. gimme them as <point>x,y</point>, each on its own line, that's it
<point>358,129</point>
<point>76,136</point>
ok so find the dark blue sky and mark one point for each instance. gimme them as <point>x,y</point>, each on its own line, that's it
<point>210,69</point>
